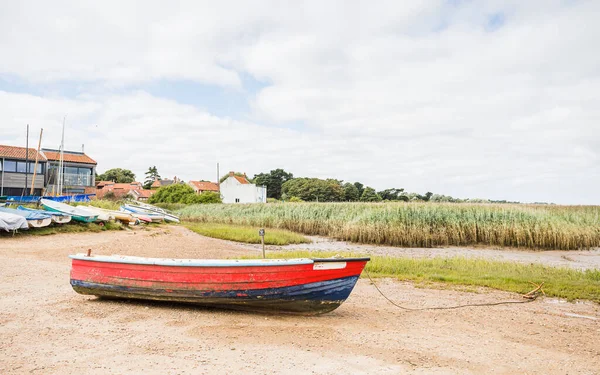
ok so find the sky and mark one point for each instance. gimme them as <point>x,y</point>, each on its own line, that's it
<point>474,99</point>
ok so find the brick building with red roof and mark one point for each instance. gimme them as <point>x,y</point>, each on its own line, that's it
<point>202,186</point>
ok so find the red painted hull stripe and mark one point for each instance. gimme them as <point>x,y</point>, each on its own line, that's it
<point>207,278</point>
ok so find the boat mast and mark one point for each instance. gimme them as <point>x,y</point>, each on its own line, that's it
<point>26,161</point>
<point>36,162</point>
<point>61,159</point>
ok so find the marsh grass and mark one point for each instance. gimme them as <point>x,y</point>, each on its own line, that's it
<point>564,283</point>
<point>420,224</point>
<point>247,234</point>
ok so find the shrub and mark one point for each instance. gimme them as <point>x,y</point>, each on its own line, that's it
<point>295,199</point>
<point>181,193</point>
<point>110,196</point>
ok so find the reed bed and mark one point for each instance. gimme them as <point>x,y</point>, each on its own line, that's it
<point>246,234</point>
<point>545,227</point>
<point>565,283</point>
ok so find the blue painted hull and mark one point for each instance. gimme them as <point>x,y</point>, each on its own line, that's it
<point>312,298</point>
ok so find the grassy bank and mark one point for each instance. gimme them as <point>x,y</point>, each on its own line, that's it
<point>513,277</point>
<point>420,224</point>
<point>246,234</point>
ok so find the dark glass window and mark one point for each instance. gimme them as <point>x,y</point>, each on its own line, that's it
<point>40,167</point>
<point>21,167</point>
<point>72,170</point>
<point>10,166</point>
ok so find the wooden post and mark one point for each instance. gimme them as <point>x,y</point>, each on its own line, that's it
<point>261,233</point>
<point>36,162</point>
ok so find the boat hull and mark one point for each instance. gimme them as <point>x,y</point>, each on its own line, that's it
<point>81,219</point>
<point>313,287</point>
<point>76,214</point>
<point>39,223</point>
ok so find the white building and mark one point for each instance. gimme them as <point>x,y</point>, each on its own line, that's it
<point>237,189</point>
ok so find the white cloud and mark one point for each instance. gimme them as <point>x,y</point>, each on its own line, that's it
<point>421,96</point>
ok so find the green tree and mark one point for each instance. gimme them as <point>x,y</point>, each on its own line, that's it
<point>182,193</point>
<point>273,181</point>
<point>369,195</point>
<point>391,194</point>
<point>360,188</point>
<point>351,193</point>
<point>206,197</point>
<point>314,189</point>
<point>117,175</point>
<point>425,197</point>
<point>151,176</point>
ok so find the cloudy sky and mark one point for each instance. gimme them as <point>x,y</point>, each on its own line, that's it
<point>489,99</point>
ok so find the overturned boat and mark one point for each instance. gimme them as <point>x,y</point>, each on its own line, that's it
<point>34,219</point>
<point>56,217</point>
<point>153,216</point>
<point>149,209</point>
<point>76,213</point>
<point>112,215</point>
<point>11,222</point>
<point>301,286</point>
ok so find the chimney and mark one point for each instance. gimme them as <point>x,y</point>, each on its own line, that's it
<point>231,174</point>
<point>82,148</point>
<point>245,175</point>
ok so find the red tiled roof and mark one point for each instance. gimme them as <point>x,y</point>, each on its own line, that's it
<point>160,183</point>
<point>69,157</point>
<point>205,185</point>
<point>130,186</point>
<point>145,193</point>
<point>12,152</point>
<point>241,179</point>
<point>103,183</point>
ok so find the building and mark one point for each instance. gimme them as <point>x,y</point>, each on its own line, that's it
<point>141,195</point>
<point>202,186</point>
<point>17,165</point>
<point>157,184</point>
<point>237,189</point>
<point>79,172</point>
<point>133,190</point>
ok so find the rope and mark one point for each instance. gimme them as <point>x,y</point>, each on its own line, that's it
<point>530,299</point>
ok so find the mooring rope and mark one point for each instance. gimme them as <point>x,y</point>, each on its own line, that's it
<point>531,297</point>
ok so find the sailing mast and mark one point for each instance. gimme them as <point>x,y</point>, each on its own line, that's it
<point>36,163</point>
<point>61,159</point>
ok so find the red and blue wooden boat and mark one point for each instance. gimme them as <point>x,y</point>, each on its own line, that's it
<point>303,286</point>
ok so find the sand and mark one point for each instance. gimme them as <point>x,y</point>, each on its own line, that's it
<point>46,328</point>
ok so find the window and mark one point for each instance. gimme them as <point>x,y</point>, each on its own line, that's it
<point>40,167</point>
<point>71,170</point>
<point>237,200</point>
<point>21,167</point>
<point>10,166</point>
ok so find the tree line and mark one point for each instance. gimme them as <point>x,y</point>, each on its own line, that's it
<point>282,185</point>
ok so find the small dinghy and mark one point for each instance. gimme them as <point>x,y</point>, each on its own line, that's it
<point>57,217</point>
<point>12,222</point>
<point>155,217</point>
<point>301,286</point>
<point>34,219</point>
<point>123,217</point>
<point>152,210</point>
<point>76,213</point>
<point>141,217</point>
